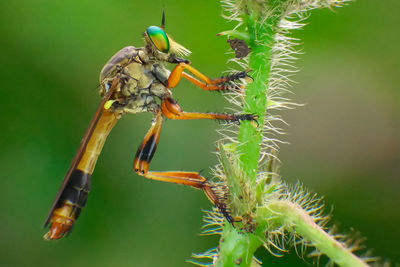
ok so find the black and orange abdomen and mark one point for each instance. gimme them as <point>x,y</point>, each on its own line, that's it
<point>75,188</point>
<point>69,205</point>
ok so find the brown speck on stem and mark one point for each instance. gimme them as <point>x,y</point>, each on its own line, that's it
<point>240,47</point>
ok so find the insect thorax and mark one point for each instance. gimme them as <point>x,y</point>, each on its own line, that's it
<point>142,81</point>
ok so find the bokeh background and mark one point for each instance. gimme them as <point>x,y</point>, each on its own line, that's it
<point>344,141</point>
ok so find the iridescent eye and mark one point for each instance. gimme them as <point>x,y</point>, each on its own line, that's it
<point>158,38</point>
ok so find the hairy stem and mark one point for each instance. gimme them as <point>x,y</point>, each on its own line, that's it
<point>265,209</point>
<point>260,41</point>
<point>240,247</point>
<point>237,248</point>
<point>293,216</point>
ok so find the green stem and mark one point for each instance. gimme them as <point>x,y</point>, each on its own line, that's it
<point>254,202</point>
<point>236,249</point>
<point>260,42</point>
<point>240,247</point>
<point>295,217</point>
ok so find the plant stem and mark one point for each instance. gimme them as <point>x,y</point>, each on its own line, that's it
<point>240,247</point>
<point>260,42</point>
<point>293,216</point>
<point>237,248</point>
<point>267,207</point>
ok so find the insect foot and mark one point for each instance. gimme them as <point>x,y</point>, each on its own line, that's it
<point>225,212</point>
<point>246,117</point>
<point>218,194</point>
<point>238,75</point>
<point>228,82</point>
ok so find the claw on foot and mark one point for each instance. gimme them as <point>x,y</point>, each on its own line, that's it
<point>248,117</point>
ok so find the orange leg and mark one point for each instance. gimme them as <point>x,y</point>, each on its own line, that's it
<point>146,152</point>
<point>172,110</point>
<point>213,87</point>
<point>207,84</point>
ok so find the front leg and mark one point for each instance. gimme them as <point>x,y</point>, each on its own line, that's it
<point>205,83</point>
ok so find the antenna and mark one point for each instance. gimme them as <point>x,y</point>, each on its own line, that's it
<point>163,20</point>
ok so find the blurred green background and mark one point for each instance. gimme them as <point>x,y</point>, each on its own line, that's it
<point>344,141</point>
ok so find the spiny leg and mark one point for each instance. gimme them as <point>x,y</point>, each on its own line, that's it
<point>146,152</point>
<point>172,110</point>
<point>207,84</point>
<point>223,86</point>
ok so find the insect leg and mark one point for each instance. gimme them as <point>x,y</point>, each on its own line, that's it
<point>223,86</point>
<point>207,84</point>
<point>146,152</point>
<point>172,110</point>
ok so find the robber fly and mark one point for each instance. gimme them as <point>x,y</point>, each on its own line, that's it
<point>135,80</point>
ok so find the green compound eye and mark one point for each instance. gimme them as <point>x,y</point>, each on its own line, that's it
<point>158,38</point>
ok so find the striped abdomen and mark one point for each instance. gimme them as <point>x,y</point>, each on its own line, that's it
<point>74,190</point>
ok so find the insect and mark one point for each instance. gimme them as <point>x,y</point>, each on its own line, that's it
<point>135,80</point>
